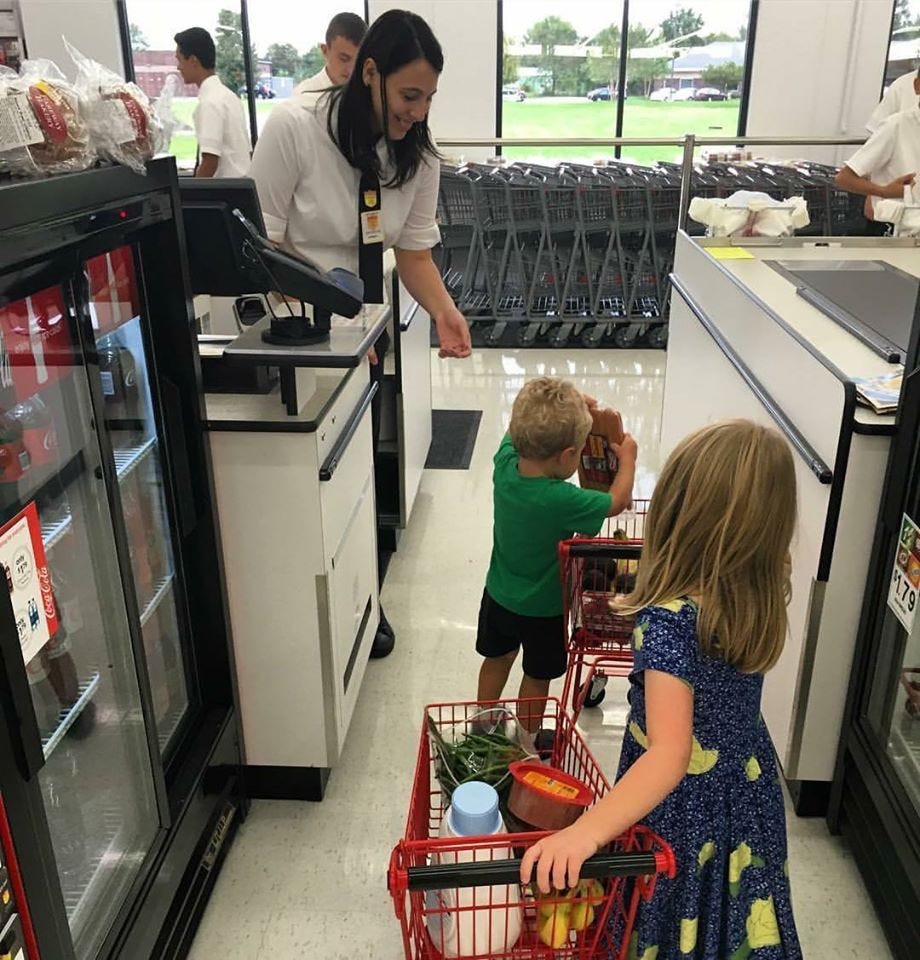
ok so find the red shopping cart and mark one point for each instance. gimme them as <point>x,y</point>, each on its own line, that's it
<point>599,640</point>
<point>487,869</point>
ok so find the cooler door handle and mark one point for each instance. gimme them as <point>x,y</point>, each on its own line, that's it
<point>16,700</point>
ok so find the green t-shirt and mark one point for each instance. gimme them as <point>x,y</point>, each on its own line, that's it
<point>531,516</point>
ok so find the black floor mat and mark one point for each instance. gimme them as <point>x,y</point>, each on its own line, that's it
<point>453,437</point>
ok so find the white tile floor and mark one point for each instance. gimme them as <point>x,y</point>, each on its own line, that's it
<point>309,880</point>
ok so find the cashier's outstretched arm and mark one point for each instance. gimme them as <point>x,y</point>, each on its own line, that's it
<point>418,272</point>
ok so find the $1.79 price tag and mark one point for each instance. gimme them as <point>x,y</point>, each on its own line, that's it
<point>905,575</point>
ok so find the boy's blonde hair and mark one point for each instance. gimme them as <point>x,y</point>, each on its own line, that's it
<point>719,528</point>
<point>548,416</point>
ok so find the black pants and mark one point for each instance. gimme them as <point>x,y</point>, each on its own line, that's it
<point>876,228</point>
<point>381,346</point>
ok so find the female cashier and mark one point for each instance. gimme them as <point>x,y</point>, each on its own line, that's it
<point>344,174</point>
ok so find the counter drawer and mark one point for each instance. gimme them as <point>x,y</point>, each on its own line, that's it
<point>337,419</point>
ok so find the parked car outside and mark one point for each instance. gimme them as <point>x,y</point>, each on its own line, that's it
<point>513,93</point>
<point>734,94</point>
<point>599,93</point>
<point>663,94</point>
<point>709,93</point>
<point>683,95</point>
<point>263,92</point>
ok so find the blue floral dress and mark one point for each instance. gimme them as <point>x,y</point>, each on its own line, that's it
<point>725,820</point>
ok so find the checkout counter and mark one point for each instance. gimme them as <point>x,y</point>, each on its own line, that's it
<point>289,428</point>
<point>779,331</point>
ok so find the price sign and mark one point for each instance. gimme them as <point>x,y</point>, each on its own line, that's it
<point>25,570</point>
<point>905,575</point>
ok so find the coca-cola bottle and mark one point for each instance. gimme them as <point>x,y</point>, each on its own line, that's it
<point>14,458</point>
<point>44,700</point>
<point>118,372</point>
<point>38,431</point>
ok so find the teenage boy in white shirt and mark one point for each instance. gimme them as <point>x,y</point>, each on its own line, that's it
<point>343,37</point>
<point>224,146</point>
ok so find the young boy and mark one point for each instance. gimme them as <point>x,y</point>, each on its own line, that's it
<point>534,508</point>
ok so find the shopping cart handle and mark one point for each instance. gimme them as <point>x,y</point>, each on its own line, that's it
<point>487,873</point>
<point>606,549</point>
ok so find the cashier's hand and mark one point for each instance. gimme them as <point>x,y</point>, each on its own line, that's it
<point>372,357</point>
<point>895,189</point>
<point>453,333</point>
<point>558,858</point>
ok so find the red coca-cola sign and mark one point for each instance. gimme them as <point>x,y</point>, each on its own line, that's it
<point>48,114</point>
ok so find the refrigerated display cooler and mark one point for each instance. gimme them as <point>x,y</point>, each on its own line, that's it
<point>120,751</point>
<point>876,795</point>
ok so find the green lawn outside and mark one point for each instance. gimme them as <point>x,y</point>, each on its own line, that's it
<point>183,145</point>
<point>552,118</point>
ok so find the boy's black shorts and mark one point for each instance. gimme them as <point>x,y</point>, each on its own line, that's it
<point>501,631</point>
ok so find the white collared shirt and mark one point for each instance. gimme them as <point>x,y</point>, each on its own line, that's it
<point>892,151</point>
<point>319,81</point>
<point>309,192</point>
<point>220,126</point>
<point>899,96</point>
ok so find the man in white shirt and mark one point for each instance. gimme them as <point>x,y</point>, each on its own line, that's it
<point>224,146</point>
<point>901,95</point>
<point>343,38</point>
<point>887,162</point>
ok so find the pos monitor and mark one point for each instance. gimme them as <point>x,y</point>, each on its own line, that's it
<point>230,256</point>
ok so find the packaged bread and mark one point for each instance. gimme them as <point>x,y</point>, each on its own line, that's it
<point>125,127</point>
<point>43,127</point>
<point>598,464</point>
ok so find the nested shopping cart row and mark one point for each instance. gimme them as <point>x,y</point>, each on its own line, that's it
<point>591,246</point>
<point>573,250</point>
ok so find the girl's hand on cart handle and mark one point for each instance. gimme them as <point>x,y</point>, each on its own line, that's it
<point>558,858</point>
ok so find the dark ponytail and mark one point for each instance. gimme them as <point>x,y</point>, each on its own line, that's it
<point>395,39</point>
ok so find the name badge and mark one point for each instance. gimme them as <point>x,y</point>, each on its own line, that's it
<point>371,227</point>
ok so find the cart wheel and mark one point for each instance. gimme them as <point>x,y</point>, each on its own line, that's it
<point>592,335</point>
<point>658,336</point>
<point>626,335</point>
<point>595,696</point>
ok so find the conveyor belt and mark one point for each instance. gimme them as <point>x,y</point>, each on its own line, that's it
<point>873,300</point>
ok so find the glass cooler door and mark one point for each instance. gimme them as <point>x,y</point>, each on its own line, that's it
<point>58,544</point>
<point>125,378</point>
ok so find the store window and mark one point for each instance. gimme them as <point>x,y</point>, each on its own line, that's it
<point>904,46</point>
<point>153,24</point>
<point>685,72</point>
<point>286,39</point>
<point>559,73</point>
<point>561,67</point>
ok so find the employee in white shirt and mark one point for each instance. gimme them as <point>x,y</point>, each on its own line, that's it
<point>887,162</point>
<point>902,94</point>
<point>224,146</point>
<point>346,174</point>
<point>343,37</point>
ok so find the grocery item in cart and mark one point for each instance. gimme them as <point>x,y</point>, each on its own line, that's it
<point>457,924</point>
<point>597,465</point>
<point>546,798</point>
<point>43,126</point>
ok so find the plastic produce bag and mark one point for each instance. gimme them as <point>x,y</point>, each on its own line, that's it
<point>748,213</point>
<point>124,127</point>
<point>43,124</point>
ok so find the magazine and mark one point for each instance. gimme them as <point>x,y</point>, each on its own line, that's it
<point>881,393</point>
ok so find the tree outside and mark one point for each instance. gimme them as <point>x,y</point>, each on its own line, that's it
<point>229,46</point>
<point>549,33</point>
<point>680,23</point>
<point>139,39</point>
<point>285,59</point>
<point>725,76</point>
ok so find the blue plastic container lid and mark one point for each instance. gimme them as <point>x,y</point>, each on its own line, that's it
<point>474,810</point>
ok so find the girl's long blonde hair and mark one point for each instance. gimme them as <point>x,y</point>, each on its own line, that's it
<point>719,529</point>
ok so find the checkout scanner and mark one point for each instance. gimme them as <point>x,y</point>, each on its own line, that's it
<point>229,255</point>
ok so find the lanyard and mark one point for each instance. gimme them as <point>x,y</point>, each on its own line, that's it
<point>370,237</point>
